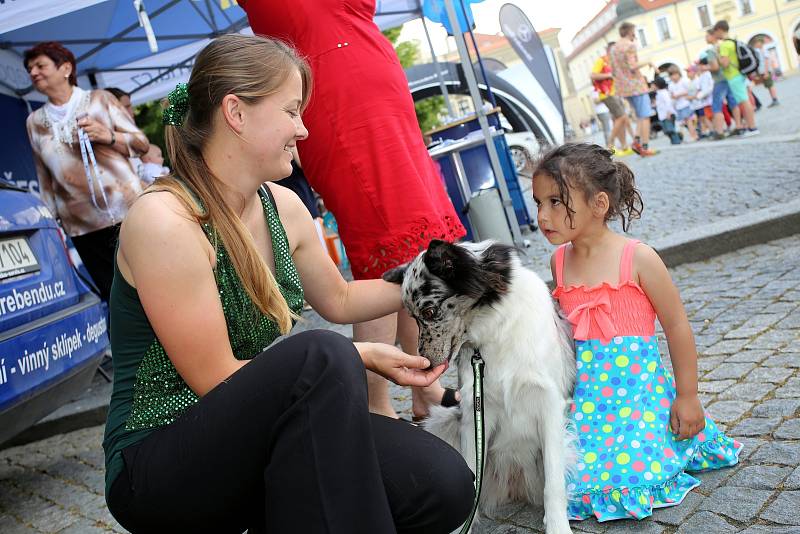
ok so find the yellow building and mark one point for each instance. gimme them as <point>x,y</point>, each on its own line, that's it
<point>673,31</point>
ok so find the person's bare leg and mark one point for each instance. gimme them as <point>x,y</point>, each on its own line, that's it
<point>749,114</point>
<point>383,330</point>
<point>773,93</point>
<point>618,131</point>
<point>644,130</point>
<point>719,123</point>
<point>691,125</point>
<point>737,117</point>
<point>408,337</point>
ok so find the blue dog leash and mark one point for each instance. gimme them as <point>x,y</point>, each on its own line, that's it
<point>477,370</point>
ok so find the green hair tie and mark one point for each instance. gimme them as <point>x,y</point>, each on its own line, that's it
<point>178,105</point>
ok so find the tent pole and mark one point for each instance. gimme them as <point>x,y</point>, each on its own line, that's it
<point>442,85</point>
<point>477,101</point>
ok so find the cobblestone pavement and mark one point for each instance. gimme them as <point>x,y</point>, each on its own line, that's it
<point>744,309</point>
<point>686,186</point>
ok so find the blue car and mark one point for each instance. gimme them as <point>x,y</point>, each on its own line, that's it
<point>53,327</point>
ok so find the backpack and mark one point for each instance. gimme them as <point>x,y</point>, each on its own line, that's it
<point>748,60</point>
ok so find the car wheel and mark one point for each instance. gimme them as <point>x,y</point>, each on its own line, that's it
<point>520,157</point>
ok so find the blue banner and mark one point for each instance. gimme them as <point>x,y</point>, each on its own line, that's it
<point>33,359</point>
<point>16,157</point>
<point>435,11</point>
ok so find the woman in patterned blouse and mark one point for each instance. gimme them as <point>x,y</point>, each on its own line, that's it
<point>88,185</point>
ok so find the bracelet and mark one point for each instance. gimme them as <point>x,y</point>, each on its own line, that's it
<point>113,138</point>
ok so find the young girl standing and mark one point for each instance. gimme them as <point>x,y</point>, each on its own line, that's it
<point>639,429</point>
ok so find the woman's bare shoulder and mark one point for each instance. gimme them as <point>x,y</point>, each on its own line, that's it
<point>162,222</point>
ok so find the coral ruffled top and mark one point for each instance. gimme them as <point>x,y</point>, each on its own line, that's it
<point>606,310</point>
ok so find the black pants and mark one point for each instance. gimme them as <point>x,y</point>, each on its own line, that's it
<point>97,253</point>
<point>287,445</point>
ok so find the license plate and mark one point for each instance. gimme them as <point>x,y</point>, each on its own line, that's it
<point>16,257</point>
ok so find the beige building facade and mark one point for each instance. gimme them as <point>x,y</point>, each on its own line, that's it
<point>673,31</point>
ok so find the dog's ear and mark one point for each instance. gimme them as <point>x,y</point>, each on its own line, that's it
<point>441,259</point>
<point>457,267</point>
<point>496,264</point>
<point>395,275</point>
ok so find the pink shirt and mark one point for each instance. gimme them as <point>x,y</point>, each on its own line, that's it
<point>606,310</point>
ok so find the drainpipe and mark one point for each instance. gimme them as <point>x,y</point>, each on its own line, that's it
<point>787,52</point>
<point>683,39</point>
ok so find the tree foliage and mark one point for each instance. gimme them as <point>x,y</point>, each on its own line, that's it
<point>428,110</point>
<point>149,119</point>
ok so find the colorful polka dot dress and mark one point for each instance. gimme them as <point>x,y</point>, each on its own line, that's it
<point>629,461</point>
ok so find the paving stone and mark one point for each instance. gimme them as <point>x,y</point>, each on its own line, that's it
<point>711,480</point>
<point>783,360</point>
<point>793,481</point>
<point>755,356</point>
<point>777,407</point>
<point>749,446</point>
<point>645,526</point>
<point>484,526</point>
<point>741,504</point>
<point>706,522</point>
<point>511,529</point>
<point>729,410</point>
<point>755,426</point>
<point>789,390</point>
<point>507,510</point>
<point>729,370</point>
<point>789,430</point>
<point>9,525</point>
<point>84,526</point>
<point>676,515</point>
<point>775,375</point>
<point>714,386</point>
<point>589,525</point>
<point>747,391</point>
<point>727,346</point>
<point>761,529</point>
<point>763,477</point>
<point>784,509</point>
<point>708,363</point>
<point>530,516</point>
<point>778,452</point>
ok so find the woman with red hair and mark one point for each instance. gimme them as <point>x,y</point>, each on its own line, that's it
<point>81,143</point>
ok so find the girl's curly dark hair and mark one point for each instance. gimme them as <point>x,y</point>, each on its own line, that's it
<point>590,169</point>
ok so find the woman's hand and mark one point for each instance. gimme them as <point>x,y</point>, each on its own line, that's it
<point>97,131</point>
<point>686,418</point>
<point>395,365</point>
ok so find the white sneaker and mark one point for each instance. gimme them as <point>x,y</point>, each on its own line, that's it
<point>751,132</point>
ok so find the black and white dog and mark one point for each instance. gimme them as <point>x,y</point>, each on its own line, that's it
<point>478,296</point>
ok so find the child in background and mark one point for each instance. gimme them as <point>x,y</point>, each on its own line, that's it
<point>666,111</point>
<point>701,103</point>
<point>679,90</point>
<point>639,430</point>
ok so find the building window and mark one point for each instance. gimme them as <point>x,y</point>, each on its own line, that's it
<point>662,25</point>
<point>642,37</point>
<point>745,7</point>
<point>704,15</point>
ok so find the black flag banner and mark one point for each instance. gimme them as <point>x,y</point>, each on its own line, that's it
<point>527,44</point>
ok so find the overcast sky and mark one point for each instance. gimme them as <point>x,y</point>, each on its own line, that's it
<point>569,15</point>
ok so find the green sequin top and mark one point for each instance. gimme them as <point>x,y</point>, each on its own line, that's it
<point>148,392</point>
